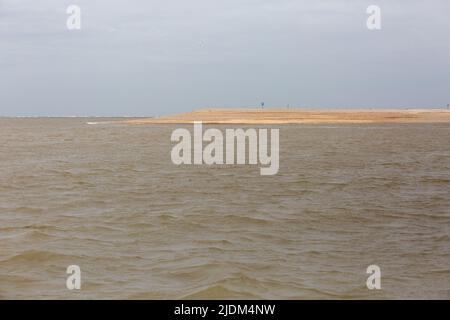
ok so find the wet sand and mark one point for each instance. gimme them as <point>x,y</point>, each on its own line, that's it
<point>298,116</point>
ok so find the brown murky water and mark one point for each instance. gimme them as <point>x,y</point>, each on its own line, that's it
<point>108,198</point>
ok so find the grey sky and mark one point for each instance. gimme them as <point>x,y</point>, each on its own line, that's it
<point>141,57</point>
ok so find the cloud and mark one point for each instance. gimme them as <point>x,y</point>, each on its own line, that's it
<point>142,57</point>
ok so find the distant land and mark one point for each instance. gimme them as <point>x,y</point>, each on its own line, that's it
<point>298,116</point>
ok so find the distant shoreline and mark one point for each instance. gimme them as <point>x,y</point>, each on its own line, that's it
<point>300,116</point>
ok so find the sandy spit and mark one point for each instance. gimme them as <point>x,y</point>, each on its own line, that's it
<point>297,116</point>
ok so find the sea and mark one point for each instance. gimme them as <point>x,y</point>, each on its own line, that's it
<point>105,196</point>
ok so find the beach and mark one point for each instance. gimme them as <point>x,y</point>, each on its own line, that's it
<point>299,116</point>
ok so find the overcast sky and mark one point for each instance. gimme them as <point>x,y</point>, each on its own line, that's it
<point>143,57</point>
